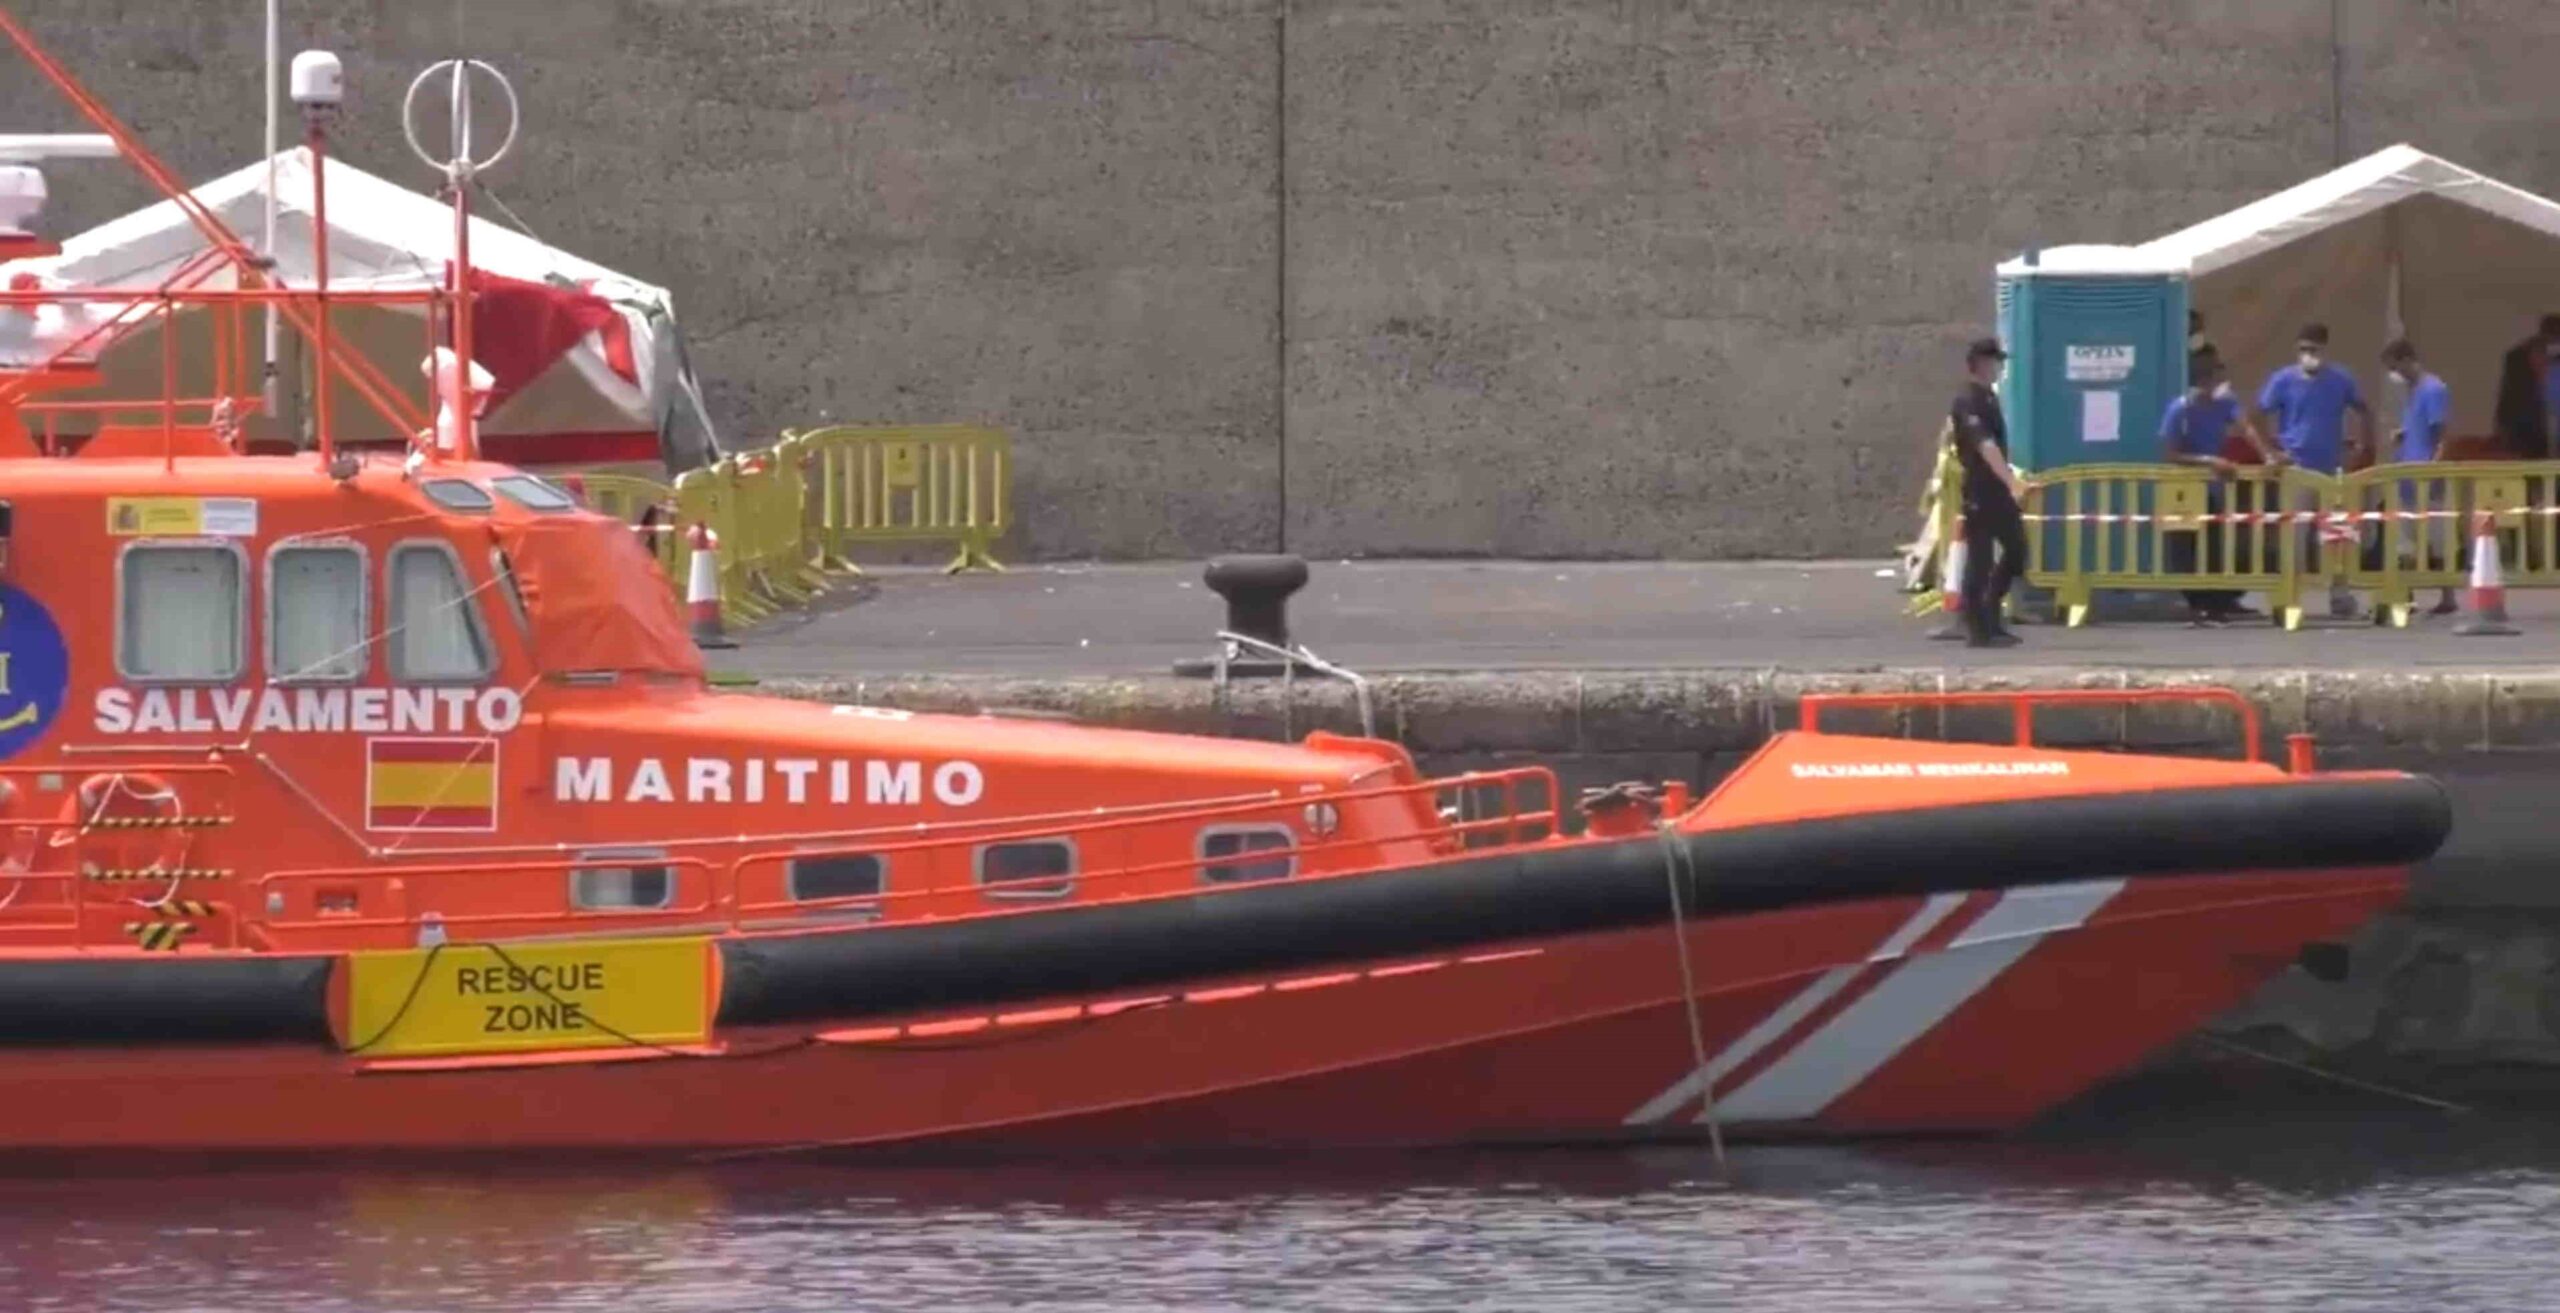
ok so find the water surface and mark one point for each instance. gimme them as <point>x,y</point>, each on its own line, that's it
<point>2326,1211</point>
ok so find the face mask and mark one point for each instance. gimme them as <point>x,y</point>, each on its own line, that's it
<point>2310,362</point>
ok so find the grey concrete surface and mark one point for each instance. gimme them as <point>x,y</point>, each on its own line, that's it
<point>1385,616</point>
<point>1573,279</point>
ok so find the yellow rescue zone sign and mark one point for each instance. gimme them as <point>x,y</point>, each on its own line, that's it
<point>475,998</point>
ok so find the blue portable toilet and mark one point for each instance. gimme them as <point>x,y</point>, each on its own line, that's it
<point>2097,339</point>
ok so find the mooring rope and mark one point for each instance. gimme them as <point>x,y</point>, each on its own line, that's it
<point>2340,1078</point>
<point>1675,858</point>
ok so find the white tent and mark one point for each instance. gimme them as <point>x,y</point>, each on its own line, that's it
<point>2399,243</point>
<point>612,392</point>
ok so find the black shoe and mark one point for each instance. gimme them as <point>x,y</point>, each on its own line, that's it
<point>1996,638</point>
<point>2444,606</point>
<point>2204,618</point>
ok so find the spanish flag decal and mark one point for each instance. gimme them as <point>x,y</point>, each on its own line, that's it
<point>431,784</point>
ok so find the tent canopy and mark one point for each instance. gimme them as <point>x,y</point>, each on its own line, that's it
<point>2399,243</point>
<point>589,362</point>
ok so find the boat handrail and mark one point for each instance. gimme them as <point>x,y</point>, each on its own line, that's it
<point>2023,703</point>
<point>727,902</point>
<point>976,827</point>
<point>1513,825</point>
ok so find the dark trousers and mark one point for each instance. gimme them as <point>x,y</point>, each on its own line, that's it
<point>2182,551</point>
<point>1989,522</point>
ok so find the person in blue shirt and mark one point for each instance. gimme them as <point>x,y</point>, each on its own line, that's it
<point>2199,421</point>
<point>2421,439</point>
<point>2306,403</point>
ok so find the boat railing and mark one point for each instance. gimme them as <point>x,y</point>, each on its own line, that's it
<point>2022,704</point>
<point>290,906</point>
<point>1355,830</point>
<point>1509,818</point>
<point>110,848</point>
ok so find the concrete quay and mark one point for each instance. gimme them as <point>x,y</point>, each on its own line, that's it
<point>1622,671</point>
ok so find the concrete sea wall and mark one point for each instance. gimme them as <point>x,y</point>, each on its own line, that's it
<point>1509,277</point>
<point>2461,984</point>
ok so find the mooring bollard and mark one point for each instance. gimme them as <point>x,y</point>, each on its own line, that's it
<point>1257,590</point>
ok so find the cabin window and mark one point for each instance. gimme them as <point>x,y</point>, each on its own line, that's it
<point>621,881</point>
<point>533,494</point>
<point>435,632</point>
<point>315,614</point>
<point>1028,868</point>
<point>458,495</point>
<point>837,875</point>
<point>180,619</point>
<point>1225,852</point>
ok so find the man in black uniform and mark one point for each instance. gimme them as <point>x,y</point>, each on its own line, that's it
<point>1992,491</point>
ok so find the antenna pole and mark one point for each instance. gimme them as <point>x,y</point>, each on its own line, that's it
<point>466,427</point>
<point>318,139</point>
<point>458,169</point>
<point>268,381</point>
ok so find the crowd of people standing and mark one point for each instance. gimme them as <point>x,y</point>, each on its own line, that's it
<point>2300,418</point>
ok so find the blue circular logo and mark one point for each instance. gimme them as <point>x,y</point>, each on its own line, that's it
<point>35,671</point>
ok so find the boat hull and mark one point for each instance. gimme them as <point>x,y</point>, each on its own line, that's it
<point>1943,1012</point>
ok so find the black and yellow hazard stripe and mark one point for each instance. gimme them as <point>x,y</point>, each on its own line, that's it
<point>154,822</point>
<point>169,873</point>
<point>159,936</point>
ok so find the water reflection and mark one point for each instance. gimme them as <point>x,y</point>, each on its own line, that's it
<point>2333,1211</point>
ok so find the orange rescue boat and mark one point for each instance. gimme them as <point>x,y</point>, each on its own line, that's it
<point>378,805</point>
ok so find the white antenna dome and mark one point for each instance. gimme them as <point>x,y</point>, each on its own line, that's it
<point>318,80</point>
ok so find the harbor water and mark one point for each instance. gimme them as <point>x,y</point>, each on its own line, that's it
<point>2267,1209</point>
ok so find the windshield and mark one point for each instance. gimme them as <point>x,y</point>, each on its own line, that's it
<point>595,600</point>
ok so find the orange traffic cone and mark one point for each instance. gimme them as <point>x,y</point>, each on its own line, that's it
<point>2488,600</point>
<point>702,589</point>
<point>1951,587</point>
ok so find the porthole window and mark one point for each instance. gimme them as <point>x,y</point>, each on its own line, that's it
<point>1226,853</point>
<point>1028,868</point>
<point>836,875</point>
<point>621,882</point>
<point>179,618</point>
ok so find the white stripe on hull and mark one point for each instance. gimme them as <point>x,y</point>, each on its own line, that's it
<point>1690,1086</point>
<point>1907,1004</point>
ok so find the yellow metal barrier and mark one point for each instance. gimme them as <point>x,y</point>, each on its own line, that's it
<point>774,555</point>
<point>2171,527</point>
<point>1940,502</point>
<point>709,497</point>
<point>2417,523</point>
<point>786,516</point>
<point>923,483</point>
